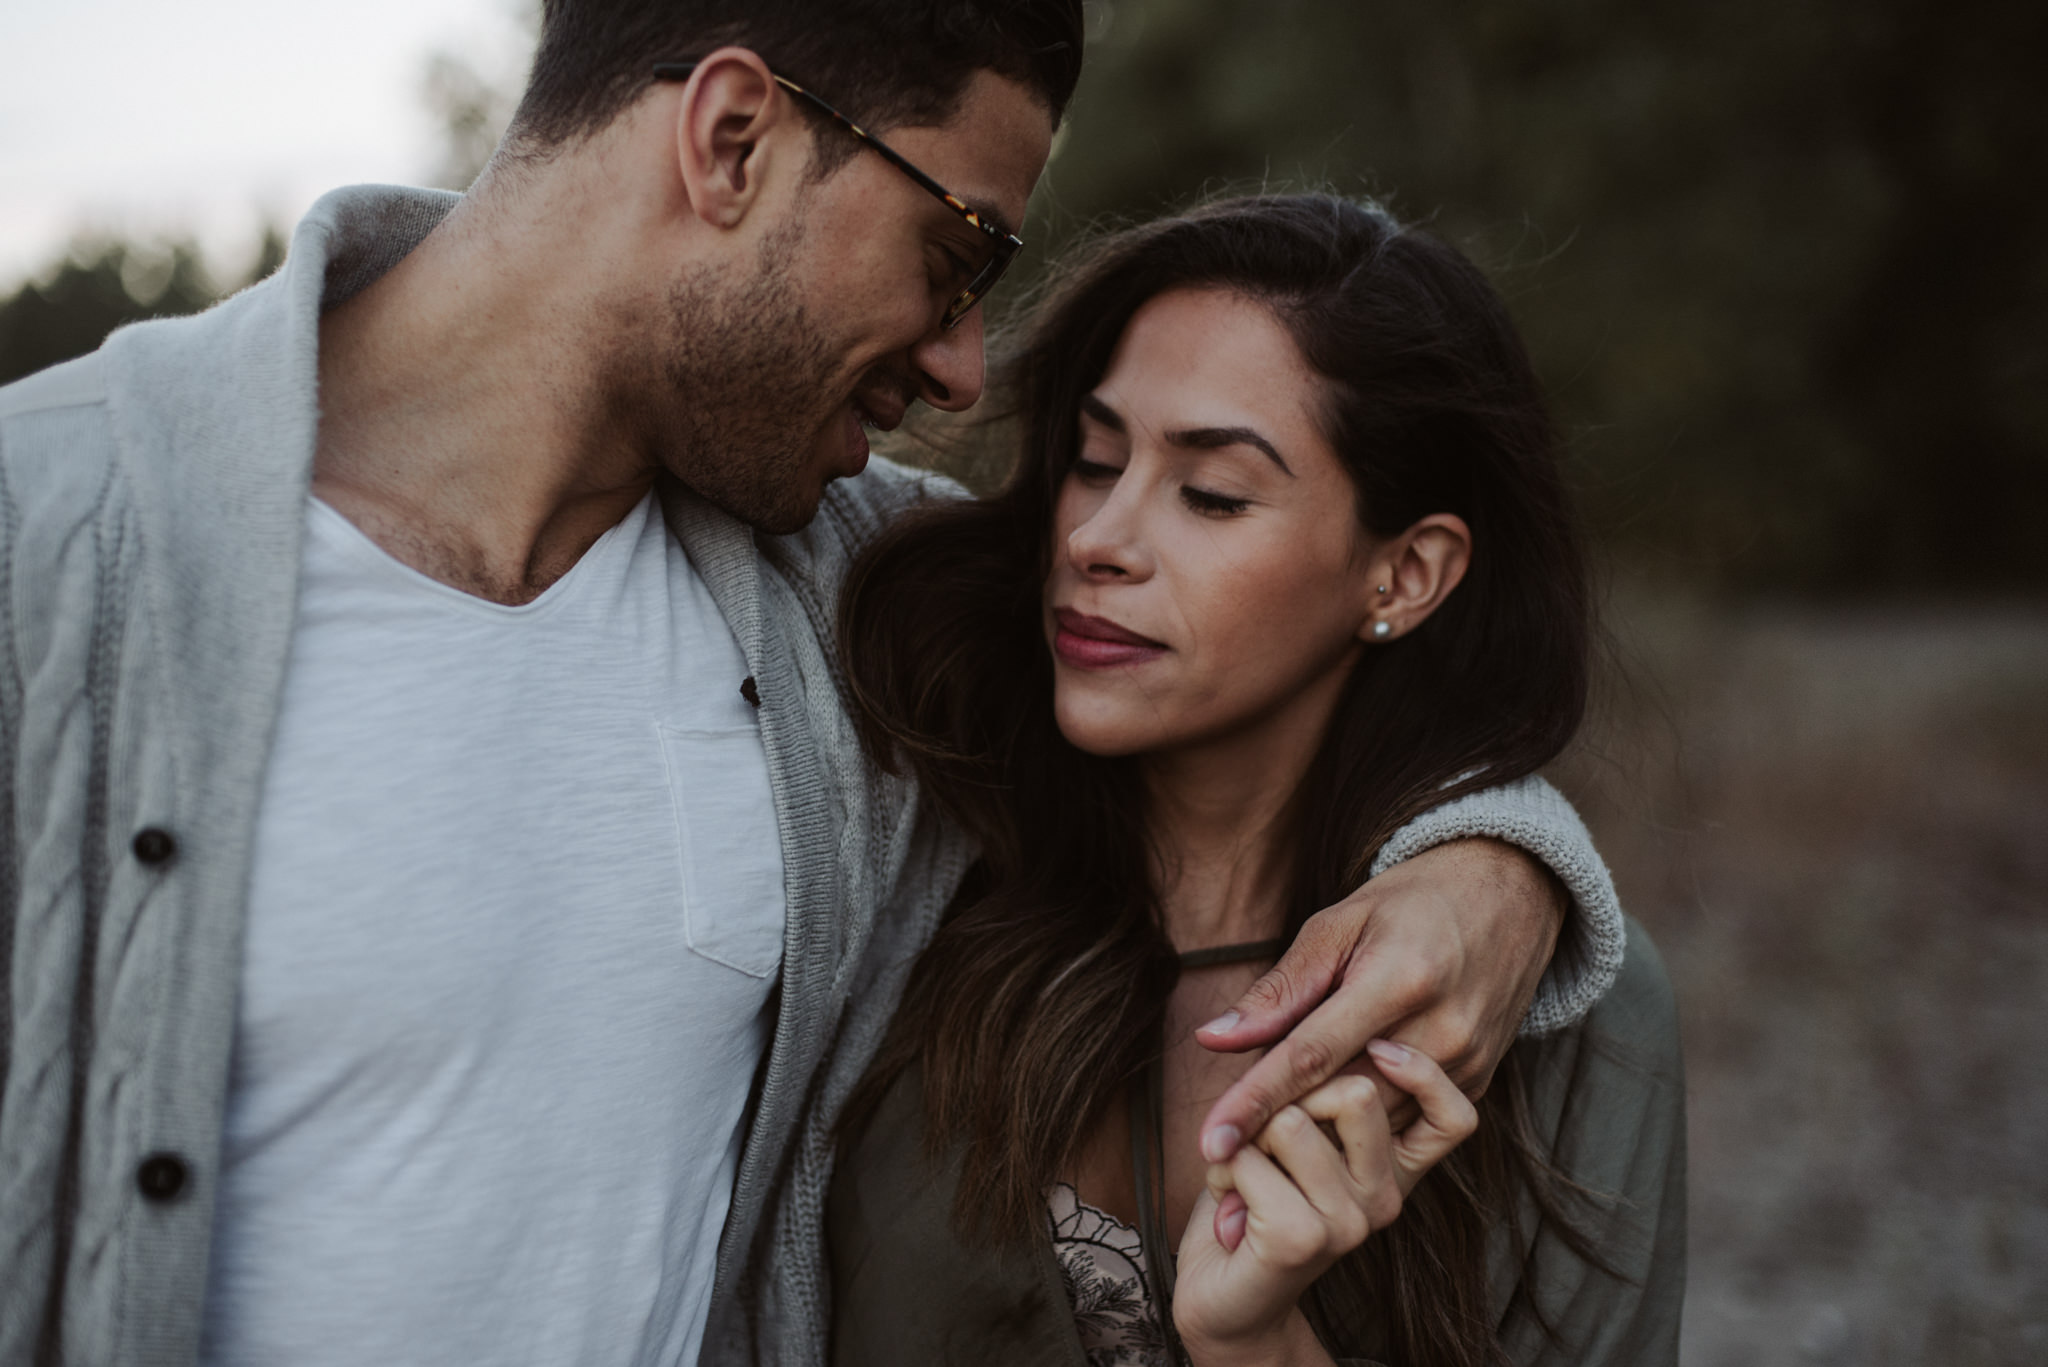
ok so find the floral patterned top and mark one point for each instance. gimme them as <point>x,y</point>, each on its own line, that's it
<point>1102,1262</point>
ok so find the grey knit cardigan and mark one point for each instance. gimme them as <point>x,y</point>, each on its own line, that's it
<point>152,501</point>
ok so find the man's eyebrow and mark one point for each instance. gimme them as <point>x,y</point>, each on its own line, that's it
<point>1101,412</point>
<point>989,214</point>
<point>1212,438</point>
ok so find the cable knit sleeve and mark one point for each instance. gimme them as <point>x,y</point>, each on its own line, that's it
<point>1534,816</point>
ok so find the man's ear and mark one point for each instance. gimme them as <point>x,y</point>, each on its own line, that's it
<point>1414,572</point>
<point>732,123</point>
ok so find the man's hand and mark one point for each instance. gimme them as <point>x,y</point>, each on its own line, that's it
<point>1442,952</point>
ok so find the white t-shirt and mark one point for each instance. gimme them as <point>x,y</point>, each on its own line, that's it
<point>515,911</point>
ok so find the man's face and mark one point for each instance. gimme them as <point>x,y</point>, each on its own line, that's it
<point>778,369</point>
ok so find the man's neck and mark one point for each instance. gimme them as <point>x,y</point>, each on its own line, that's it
<point>465,424</point>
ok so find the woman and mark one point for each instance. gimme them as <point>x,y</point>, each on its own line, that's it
<point>1290,563</point>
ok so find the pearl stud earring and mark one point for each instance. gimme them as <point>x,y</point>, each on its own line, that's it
<point>1381,631</point>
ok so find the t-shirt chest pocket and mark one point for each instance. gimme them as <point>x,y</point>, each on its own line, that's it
<point>729,845</point>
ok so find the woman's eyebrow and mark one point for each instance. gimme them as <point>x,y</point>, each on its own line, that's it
<point>1210,438</point>
<point>1092,407</point>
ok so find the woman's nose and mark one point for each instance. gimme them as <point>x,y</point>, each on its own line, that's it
<point>1108,545</point>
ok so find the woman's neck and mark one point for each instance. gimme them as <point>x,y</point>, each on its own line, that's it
<point>1221,820</point>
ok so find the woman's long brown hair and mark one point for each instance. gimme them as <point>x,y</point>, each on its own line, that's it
<point>1042,998</point>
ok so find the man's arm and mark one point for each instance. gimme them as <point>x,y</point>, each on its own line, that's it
<point>1444,949</point>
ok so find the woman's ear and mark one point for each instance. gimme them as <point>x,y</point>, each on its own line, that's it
<point>728,109</point>
<point>1414,572</point>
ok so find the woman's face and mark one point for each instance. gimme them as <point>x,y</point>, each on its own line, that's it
<point>1210,576</point>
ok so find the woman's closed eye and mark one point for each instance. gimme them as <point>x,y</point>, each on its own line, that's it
<point>1207,502</point>
<point>1212,504</point>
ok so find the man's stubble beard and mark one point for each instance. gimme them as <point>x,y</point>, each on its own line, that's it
<point>750,381</point>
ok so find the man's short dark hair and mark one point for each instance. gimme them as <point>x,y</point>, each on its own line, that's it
<point>884,63</point>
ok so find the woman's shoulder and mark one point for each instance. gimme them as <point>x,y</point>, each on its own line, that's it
<point>1639,1015</point>
<point>1607,1098</point>
<point>1629,1038</point>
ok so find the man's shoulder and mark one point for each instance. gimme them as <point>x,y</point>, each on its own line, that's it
<point>855,511</point>
<point>80,382</point>
<point>59,425</point>
<point>884,491</point>
<point>56,433</point>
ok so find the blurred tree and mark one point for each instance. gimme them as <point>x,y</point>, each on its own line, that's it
<point>98,287</point>
<point>269,253</point>
<point>1939,362</point>
<point>472,111</point>
<point>473,103</point>
<point>1785,267</point>
<point>102,283</point>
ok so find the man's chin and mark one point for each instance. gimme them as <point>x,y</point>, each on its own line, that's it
<point>793,503</point>
<point>779,513</point>
<point>788,518</point>
<point>785,507</point>
<point>778,494</point>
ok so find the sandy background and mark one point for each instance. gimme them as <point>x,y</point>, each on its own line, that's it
<point>1835,824</point>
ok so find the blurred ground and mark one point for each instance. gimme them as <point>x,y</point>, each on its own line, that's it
<point>1835,824</point>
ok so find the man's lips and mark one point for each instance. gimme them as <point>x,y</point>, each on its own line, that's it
<point>878,410</point>
<point>872,410</point>
<point>855,435</point>
<point>1098,643</point>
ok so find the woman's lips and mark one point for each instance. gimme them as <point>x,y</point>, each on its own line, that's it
<point>1098,643</point>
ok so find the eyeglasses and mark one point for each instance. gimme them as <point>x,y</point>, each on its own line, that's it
<point>1003,246</point>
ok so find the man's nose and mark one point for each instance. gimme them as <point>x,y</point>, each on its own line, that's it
<point>949,364</point>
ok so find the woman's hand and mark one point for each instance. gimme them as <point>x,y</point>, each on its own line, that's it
<point>1309,1202</point>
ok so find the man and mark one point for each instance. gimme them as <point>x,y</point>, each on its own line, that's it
<point>447,910</point>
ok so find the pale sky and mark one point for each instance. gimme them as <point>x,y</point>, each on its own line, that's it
<point>208,116</point>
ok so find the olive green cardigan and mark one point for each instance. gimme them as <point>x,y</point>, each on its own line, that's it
<point>1608,1094</point>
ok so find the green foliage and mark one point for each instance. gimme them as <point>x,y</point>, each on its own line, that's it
<point>97,288</point>
<point>472,112</point>
<point>1785,267</point>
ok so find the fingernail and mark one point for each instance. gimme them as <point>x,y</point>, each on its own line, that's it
<point>1220,1143</point>
<point>1223,1024</point>
<point>1230,1228</point>
<point>1389,1053</point>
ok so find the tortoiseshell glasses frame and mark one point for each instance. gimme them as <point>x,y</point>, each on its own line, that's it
<point>1003,246</point>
